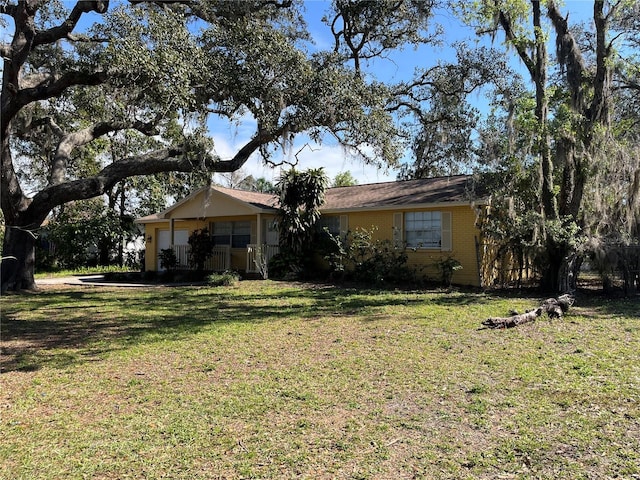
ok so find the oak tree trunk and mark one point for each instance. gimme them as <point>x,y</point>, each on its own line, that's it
<point>18,260</point>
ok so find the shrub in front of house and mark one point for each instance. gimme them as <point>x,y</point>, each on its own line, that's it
<point>360,258</point>
<point>200,248</point>
<point>447,266</point>
<point>224,279</point>
<point>168,259</point>
<point>286,265</point>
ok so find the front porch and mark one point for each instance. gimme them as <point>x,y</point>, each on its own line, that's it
<point>257,257</point>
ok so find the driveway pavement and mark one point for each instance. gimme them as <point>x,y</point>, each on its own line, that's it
<point>85,280</point>
<point>99,280</point>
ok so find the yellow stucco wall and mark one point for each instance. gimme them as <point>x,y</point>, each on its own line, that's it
<point>207,204</point>
<point>464,233</point>
<point>238,255</point>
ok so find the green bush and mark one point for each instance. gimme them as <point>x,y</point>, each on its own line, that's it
<point>363,259</point>
<point>168,258</point>
<point>224,279</point>
<point>201,249</point>
<point>447,266</point>
<point>286,265</point>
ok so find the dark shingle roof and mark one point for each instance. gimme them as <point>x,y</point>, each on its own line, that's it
<point>427,191</point>
<point>372,195</point>
<point>257,199</point>
<point>401,193</point>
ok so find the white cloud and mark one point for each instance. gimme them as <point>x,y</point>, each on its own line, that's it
<point>332,158</point>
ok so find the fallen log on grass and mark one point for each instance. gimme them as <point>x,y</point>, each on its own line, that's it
<point>553,307</point>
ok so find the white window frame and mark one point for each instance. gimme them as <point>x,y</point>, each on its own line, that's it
<point>235,225</point>
<point>400,232</point>
<point>423,229</point>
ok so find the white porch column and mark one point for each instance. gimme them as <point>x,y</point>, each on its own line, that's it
<point>172,227</point>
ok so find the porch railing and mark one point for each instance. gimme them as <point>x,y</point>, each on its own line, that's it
<point>259,255</point>
<point>182,255</point>
<point>219,261</point>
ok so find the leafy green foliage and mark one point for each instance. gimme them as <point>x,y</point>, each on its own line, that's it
<point>441,119</point>
<point>301,196</point>
<point>344,179</point>
<point>447,267</point>
<point>564,134</point>
<point>168,259</point>
<point>358,256</point>
<point>224,279</point>
<point>287,265</point>
<point>200,248</point>
<point>78,232</point>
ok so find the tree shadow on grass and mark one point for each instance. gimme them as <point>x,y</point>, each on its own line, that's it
<point>616,306</point>
<point>64,328</point>
<point>67,326</point>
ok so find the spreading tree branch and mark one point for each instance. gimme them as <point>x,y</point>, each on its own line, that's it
<point>58,85</point>
<point>175,159</point>
<point>65,28</point>
<point>73,140</point>
<point>505,23</point>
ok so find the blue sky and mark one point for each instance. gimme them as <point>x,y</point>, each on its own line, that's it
<point>400,66</point>
<point>330,155</point>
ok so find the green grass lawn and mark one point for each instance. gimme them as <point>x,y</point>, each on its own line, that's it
<point>279,381</point>
<point>81,271</point>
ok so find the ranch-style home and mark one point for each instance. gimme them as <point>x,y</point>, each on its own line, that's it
<point>435,218</point>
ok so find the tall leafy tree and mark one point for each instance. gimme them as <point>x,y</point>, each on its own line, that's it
<point>301,195</point>
<point>142,67</point>
<point>344,179</point>
<point>572,132</point>
<point>438,117</point>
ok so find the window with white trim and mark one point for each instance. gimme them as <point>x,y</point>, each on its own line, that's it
<point>423,229</point>
<point>331,223</point>
<point>234,234</point>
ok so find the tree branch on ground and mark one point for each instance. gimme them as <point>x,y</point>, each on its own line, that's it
<point>553,307</point>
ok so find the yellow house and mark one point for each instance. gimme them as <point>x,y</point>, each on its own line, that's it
<point>435,218</point>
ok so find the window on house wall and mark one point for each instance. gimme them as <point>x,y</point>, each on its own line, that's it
<point>423,229</point>
<point>233,234</point>
<point>331,223</point>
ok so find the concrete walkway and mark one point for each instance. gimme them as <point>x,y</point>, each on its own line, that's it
<point>70,280</point>
<point>99,280</point>
<point>88,280</point>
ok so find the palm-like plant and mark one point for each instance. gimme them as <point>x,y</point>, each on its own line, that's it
<point>301,196</point>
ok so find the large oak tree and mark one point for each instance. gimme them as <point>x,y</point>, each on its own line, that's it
<point>75,75</point>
